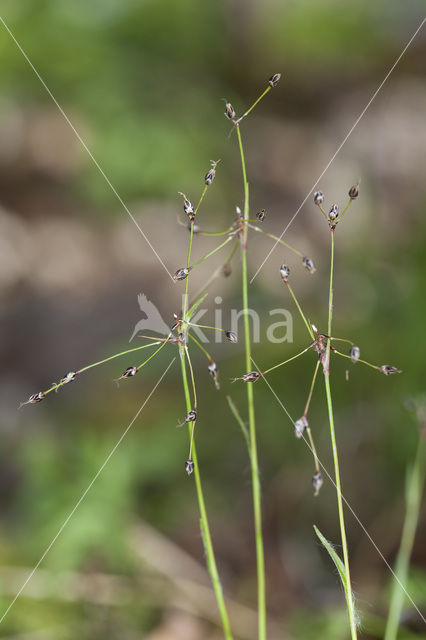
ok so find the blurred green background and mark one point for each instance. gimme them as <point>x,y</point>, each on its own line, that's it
<point>142,81</point>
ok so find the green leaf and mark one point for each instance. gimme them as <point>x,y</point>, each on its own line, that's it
<point>337,561</point>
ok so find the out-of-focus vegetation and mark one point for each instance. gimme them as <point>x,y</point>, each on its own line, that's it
<point>142,82</point>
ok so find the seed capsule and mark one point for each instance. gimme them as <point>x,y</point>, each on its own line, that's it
<point>189,467</point>
<point>300,426</point>
<point>214,373</point>
<point>333,213</point>
<point>260,215</point>
<point>226,270</point>
<point>130,372</point>
<point>191,416</point>
<point>252,376</point>
<point>232,337</point>
<point>69,377</point>
<point>182,274</point>
<point>354,192</point>
<point>229,111</point>
<point>318,197</point>
<point>317,482</point>
<point>211,173</point>
<point>187,206</point>
<point>388,370</point>
<point>274,80</point>
<point>285,272</point>
<point>36,397</point>
<point>309,264</point>
<point>355,353</point>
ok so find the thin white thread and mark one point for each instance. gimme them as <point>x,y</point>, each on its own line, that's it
<point>84,145</point>
<point>342,143</point>
<point>348,505</point>
<point>84,494</point>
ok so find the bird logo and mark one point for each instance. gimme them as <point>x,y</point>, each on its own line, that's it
<point>153,320</point>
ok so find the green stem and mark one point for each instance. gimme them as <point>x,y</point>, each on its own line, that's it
<point>286,361</point>
<point>204,523</point>
<point>344,355</point>
<point>273,237</point>
<point>299,308</point>
<point>414,489</point>
<point>257,509</point>
<point>326,364</point>
<point>210,253</point>
<point>262,95</point>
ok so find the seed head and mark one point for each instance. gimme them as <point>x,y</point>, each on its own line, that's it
<point>130,372</point>
<point>300,426</point>
<point>189,467</point>
<point>226,270</point>
<point>354,191</point>
<point>388,370</point>
<point>182,274</point>
<point>285,272</point>
<point>191,416</point>
<point>333,213</point>
<point>69,377</point>
<point>211,173</point>
<point>318,197</point>
<point>260,215</point>
<point>252,376</point>
<point>355,353</point>
<point>309,264</point>
<point>212,368</point>
<point>232,337</point>
<point>274,80</point>
<point>229,111</point>
<point>317,482</point>
<point>187,206</point>
<point>36,397</point>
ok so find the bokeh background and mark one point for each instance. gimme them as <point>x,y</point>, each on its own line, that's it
<point>142,81</point>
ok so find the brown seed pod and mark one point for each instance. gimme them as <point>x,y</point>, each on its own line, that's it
<point>232,337</point>
<point>229,111</point>
<point>36,397</point>
<point>274,80</point>
<point>317,482</point>
<point>333,213</point>
<point>318,197</point>
<point>182,274</point>
<point>355,353</point>
<point>285,272</point>
<point>300,426</point>
<point>354,191</point>
<point>129,372</point>
<point>260,215</point>
<point>309,264</point>
<point>388,370</point>
<point>189,467</point>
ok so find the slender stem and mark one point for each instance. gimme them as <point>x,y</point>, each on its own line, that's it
<point>217,272</point>
<point>276,238</point>
<point>308,401</point>
<point>151,356</point>
<point>344,355</point>
<point>240,421</point>
<point>344,210</point>
<point>204,523</point>
<point>414,489</point>
<point>214,233</point>
<point>349,598</point>
<point>200,346</point>
<point>210,253</point>
<point>205,326</point>
<point>262,95</point>
<point>299,308</point>
<point>194,393</point>
<point>257,509</point>
<point>286,361</point>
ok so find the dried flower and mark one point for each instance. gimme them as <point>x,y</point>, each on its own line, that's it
<point>189,467</point>
<point>36,397</point>
<point>130,372</point>
<point>355,353</point>
<point>317,482</point>
<point>354,191</point>
<point>182,274</point>
<point>318,197</point>
<point>187,206</point>
<point>252,376</point>
<point>388,370</point>
<point>191,416</point>
<point>69,377</point>
<point>260,215</point>
<point>211,173</point>
<point>285,272</point>
<point>300,426</point>
<point>274,80</point>
<point>229,111</point>
<point>309,264</point>
<point>212,367</point>
<point>333,213</point>
<point>232,337</point>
